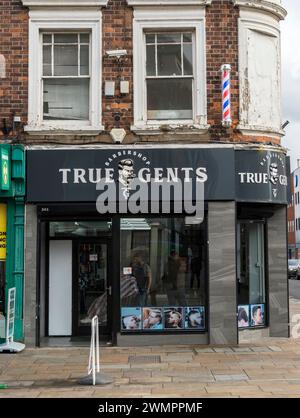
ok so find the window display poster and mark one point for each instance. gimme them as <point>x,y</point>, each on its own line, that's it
<point>251,316</point>
<point>168,318</point>
<point>243,316</point>
<point>257,313</point>
<point>174,318</point>
<point>131,319</point>
<point>195,317</point>
<point>153,318</point>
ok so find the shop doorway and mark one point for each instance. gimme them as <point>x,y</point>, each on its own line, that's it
<point>251,262</point>
<point>78,280</point>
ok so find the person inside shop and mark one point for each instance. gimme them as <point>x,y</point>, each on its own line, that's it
<point>195,271</point>
<point>257,316</point>
<point>142,273</point>
<point>175,294</point>
<point>195,319</point>
<point>152,319</point>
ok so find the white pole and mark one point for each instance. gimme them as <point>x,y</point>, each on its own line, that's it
<point>94,351</point>
<point>95,357</point>
<point>97,344</point>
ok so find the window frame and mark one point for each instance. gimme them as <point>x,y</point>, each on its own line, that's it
<point>63,77</point>
<point>64,21</point>
<point>264,223</point>
<point>179,77</point>
<point>179,19</point>
<point>262,23</point>
<point>162,332</point>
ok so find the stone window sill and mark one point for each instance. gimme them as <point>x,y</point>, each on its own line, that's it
<point>62,130</point>
<point>170,129</point>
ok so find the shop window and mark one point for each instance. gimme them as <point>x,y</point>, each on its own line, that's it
<point>66,76</point>
<point>163,275</point>
<point>169,75</point>
<point>251,274</point>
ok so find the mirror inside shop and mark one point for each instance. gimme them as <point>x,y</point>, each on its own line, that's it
<point>163,278</point>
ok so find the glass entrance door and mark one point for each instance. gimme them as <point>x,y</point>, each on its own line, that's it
<point>92,286</point>
<point>251,263</point>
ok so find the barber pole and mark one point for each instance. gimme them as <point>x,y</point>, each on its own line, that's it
<point>226,106</point>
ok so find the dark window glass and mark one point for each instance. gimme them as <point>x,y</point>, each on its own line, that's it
<point>169,99</point>
<point>251,274</point>
<point>163,275</point>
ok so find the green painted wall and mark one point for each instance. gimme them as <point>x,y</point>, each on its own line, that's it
<point>14,198</point>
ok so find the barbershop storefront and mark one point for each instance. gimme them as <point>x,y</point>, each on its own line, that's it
<point>167,245</point>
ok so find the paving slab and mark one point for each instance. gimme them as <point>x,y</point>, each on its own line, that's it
<point>267,368</point>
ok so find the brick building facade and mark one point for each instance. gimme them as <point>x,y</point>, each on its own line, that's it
<point>221,25</point>
<point>61,93</point>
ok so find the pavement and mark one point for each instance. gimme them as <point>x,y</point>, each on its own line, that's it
<point>270,368</point>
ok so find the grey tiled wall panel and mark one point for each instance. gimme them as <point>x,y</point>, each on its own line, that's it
<point>278,282</point>
<point>30,276</point>
<point>222,273</point>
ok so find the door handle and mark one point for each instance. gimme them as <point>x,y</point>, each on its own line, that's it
<point>108,289</point>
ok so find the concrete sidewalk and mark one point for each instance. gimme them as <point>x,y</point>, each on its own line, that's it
<point>268,369</point>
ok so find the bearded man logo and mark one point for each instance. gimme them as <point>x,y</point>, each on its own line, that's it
<point>274,177</point>
<point>126,175</point>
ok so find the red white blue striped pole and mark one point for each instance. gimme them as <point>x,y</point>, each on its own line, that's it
<point>226,102</point>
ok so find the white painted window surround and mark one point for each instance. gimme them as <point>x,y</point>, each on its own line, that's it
<point>135,3</point>
<point>259,73</point>
<point>168,18</point>
<point>60,3</point>
<point>272,6</point>
<point>64,19</point>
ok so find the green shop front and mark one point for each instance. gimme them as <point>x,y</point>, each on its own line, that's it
<point>12,193</point>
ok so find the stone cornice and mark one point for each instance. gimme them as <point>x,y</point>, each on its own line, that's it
<point>268,6</point>
<point>182,3</point>
<point>64,3</point>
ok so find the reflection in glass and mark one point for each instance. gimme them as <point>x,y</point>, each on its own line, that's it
<point>66,98</point>
<point>170,98</point>
<point>92,283</point>
<point>163,271</point>
<point>169,60</point>
<point>78,228</point>
<point>250,263</point>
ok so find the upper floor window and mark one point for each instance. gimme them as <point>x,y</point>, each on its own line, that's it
<point>66,76</point>
<point>259,72</point>
<point>169,75</point>
<point>65,71</point>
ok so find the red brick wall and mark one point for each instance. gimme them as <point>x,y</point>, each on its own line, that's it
<point>221,45</point>
<point>14,47</point>
<point>221,48</point>
<point>117,34</point>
